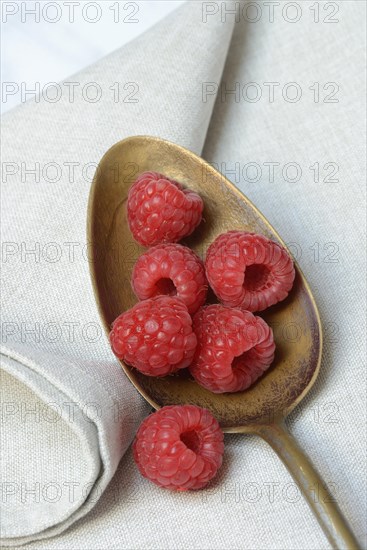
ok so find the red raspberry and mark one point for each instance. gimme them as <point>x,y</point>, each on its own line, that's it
<point>179,447</point>
<point>161,210</point>
<point>234,348</point>
<point>174,270</point>
<point>248,270</point>
<point>155,336</point>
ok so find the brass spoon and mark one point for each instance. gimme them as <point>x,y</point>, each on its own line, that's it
<point>296,322</point>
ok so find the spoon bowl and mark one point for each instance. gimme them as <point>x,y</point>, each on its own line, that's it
<point>295,321</point>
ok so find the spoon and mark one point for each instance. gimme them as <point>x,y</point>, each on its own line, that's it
<point>296,323</point>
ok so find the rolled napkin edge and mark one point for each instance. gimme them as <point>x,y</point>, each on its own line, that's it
<point>101,433</point>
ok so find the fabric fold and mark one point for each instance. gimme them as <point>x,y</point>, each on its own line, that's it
<point>70,413</point>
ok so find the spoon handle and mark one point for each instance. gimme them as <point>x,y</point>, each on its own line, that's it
<point>322,503</point>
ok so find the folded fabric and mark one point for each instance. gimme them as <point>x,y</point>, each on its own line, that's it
<point>64,432</point>
<point>69,411</point>
<point>286,128</point>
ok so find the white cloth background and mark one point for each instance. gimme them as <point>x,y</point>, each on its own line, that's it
<point>35,49</point>
<point>253,503</point>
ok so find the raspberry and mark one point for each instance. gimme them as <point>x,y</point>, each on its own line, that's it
<point>174,270</point>
<point>155,336</point>
<point>161,210</point>
<point>248,270</point>
<point>234,348</point>
<point>179,447</point>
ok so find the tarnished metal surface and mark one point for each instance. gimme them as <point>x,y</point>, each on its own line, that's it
<point>295,321</point>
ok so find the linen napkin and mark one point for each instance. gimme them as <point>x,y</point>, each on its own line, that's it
<point>287,128</point>
<point>69,413</point>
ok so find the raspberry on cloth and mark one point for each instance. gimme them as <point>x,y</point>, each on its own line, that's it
<point>248,270</point>
<point>234,348</point>
<point>161,210</point>
<point>171,269</point>
<point>155,336</point>
<point>179,447</point>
